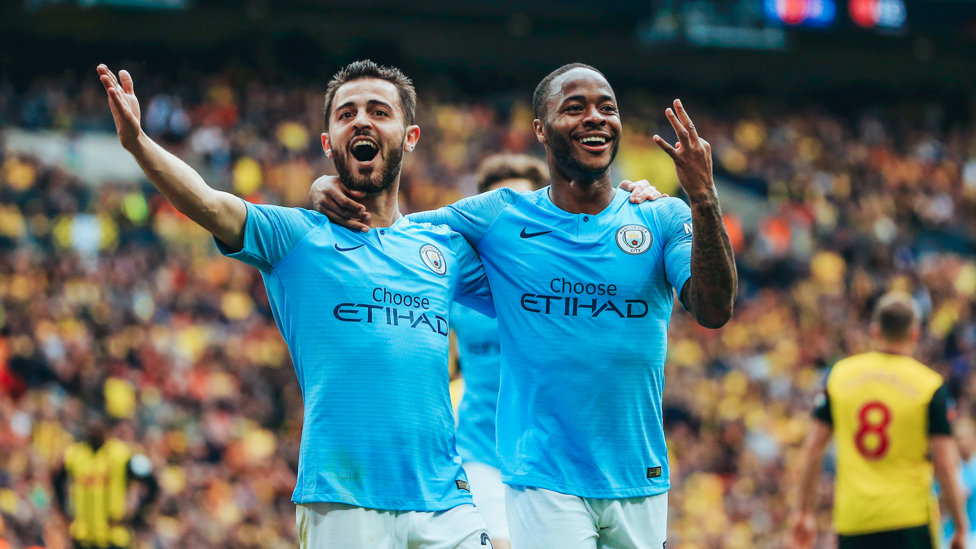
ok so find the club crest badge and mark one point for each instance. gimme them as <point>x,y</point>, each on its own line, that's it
<point>634,239</point>
<point>434,259</point>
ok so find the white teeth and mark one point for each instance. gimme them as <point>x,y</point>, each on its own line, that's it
<point>364,142</point>
<point>598,140</point>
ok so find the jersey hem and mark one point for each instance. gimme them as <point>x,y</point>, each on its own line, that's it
<point>385,504</point>
<point>585,492</point>
<point>879,530</point>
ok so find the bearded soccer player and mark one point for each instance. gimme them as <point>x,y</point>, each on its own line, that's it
<point>888,415</point>
<point>365,317</point>
<point>574,269</point>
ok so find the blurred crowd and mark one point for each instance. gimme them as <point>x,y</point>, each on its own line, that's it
<point>111,299</point>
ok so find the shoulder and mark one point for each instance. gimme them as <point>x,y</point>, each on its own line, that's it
<point>434,233</point>
<point>932,379</point>
<point>666,209</point>
<point>118,448</point>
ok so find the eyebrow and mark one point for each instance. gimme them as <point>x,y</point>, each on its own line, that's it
<point>582,98</point>
<point>371,103</point>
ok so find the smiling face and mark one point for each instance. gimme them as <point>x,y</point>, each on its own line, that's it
<point>368,135</point>
<point>581,125</point>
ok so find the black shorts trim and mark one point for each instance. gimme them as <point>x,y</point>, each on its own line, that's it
<point>918,537</point>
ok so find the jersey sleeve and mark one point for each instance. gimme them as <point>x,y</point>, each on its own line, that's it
<point>472,287</point>
<point>675,221</point>
<point>939,412</point>
<point>821,408</point>
<point>270,234</point>
<point>472,216</point>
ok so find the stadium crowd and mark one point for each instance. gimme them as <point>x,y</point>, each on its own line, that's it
<point>111,299</point>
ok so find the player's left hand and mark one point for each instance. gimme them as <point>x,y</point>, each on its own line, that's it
<point>803,531</point>
<point>958,540</point>
<point>641,191</point>
<point>692,155</point>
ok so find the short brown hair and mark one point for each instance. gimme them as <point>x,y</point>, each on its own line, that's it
<point>895,315</point>
<point>501,167</point>
<point>544,89</point>
<point>368,69</point>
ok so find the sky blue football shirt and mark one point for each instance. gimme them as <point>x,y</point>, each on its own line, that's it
<point>584,302</point>
<point>366,318</point>
<point>480,356</point>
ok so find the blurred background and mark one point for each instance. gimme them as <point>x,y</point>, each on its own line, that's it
<point>844,136</point>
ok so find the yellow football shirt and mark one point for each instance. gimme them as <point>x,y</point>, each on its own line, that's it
<point>883,408</point>
<point>98,492</point>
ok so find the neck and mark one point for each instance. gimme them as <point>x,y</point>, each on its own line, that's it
<point>906,348</point>
<point>579,194</point>
<point>383,208</point>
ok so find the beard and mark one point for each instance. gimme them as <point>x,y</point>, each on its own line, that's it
<point>567,158</point>
<point>378,180</point>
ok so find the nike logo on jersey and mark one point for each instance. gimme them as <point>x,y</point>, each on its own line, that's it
<point>524,234</point>
<point>338,249</point>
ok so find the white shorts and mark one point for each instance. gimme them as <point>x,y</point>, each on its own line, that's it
<point>488,494</point>
<point>341,526</point>
<point>543,519</point>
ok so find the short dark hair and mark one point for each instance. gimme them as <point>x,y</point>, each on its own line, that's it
<point>501,167</point>
<point>543,90</point>
<point>368,69</point>
<point>895,315</point>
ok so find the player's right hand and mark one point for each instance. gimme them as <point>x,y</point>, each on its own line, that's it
<point>330,197</point>
<point>803,531</point>
<point>125,107</point>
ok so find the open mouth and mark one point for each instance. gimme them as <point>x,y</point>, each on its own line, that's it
<point>595,143</point>
<point>364,150</point>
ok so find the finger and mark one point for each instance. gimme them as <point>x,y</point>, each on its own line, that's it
<point>684,118</point>
<point>126,79</point>
<point>666,147</point>
<point>346,205</point>
<point>679,129</point>
<point>350,224</point>
<point>626,185</point>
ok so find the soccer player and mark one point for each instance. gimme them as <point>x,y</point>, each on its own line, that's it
<point>92,488</point>
<point>365,317</point>
<point>583,282</point>
<point>887,413</point>
<point>480,355</point>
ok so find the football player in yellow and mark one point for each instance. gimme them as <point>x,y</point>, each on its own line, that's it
<point>92,488</point>
<point>889,416</point>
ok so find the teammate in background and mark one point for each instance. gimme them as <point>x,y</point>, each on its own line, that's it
<point>93,484</point>
<point>365,317</point>
<point>888,412</point>
<point>965,433</point>
<point>479,357</point>
<point>583,282</point>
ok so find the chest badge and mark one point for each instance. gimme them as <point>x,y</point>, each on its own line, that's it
<point>434,259</point>
<point>634,239</point>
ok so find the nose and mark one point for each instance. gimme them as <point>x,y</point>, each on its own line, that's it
<point>594,117</point>
<point>362,120</point>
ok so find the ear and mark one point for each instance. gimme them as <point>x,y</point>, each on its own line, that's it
<point>916,332</point>
<point>413,135</point>
<point>326,145</point>
<point>540,132</point>
<point>874,331</point>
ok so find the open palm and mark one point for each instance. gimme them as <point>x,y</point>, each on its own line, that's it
<point>125,107</point>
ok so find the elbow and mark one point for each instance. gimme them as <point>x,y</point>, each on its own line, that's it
<point>716,318</point>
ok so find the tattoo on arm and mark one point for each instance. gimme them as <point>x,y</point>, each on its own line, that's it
<point>710,292</point>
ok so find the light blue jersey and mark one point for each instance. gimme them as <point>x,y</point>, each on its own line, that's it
<point>584,303</point>
<point>365,317</point>
<point>478,350</point>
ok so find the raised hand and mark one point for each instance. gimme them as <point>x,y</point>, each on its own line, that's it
<point>125,107</point>
<point>692,155</point>
<point>803,531</point>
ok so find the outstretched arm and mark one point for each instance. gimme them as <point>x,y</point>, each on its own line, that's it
<point>221,213</point>
<point>710,292</point>
<point>945,462</point>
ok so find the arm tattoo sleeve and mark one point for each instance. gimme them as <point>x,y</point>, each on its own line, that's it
<point>710,292</point>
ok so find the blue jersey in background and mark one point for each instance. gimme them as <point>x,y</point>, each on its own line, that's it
<point>366,318</point>
<point>584,302</point>
<point>479,354</point>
